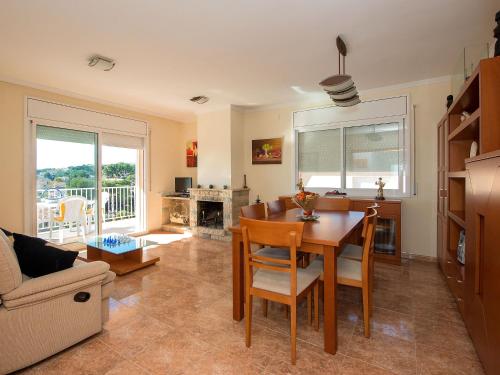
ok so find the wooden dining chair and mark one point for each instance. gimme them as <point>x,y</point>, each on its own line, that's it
<point>258,211</point>
<point>358,274</point>
<point>254,211</point>
<point>353,251</point>
<point>276,207</point>
<point>274,279</point>
<point>333,204</point>
<point>289,203</point>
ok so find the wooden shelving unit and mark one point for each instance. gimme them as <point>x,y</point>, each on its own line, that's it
<point>458,200</point>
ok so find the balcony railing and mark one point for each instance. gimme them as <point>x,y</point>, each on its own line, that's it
<point>118,203</point>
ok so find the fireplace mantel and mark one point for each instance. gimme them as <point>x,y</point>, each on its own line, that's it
<point>232,200</point>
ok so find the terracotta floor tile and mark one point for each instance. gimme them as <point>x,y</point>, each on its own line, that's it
<point>91,357</point>
<point>351,366</point>
<point>384,351</point>
<point>445,335</point>
<point>391,323</point>
<point>431,361</point>
<point>132,337</point>
<point>176,318</point>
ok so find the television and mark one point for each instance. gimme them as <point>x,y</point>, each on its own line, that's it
<point>182,184</point>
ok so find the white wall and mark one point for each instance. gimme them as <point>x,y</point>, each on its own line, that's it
<point>419,211</point>
<point>214,148</point>
<point>237,147</point>
<point>220,148</point>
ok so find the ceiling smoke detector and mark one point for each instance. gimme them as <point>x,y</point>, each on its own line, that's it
<point>199,99</point>
<point>102,63</point>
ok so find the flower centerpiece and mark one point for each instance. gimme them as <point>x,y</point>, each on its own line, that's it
<point>305,199</point>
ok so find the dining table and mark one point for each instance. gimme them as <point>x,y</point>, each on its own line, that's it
<point>324,236</point>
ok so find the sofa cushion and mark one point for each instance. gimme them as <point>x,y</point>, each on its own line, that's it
<point>10,273</point>
<point>37,259</point>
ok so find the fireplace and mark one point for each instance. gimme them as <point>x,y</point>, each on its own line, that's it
<point>213,211</point>
<point>210,214</point>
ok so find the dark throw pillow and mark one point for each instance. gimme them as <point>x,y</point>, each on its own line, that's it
<point>38,259</point>
<point>7,233</point>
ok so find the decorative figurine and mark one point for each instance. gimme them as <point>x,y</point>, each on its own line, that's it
<point>464,116</point>
<point>449,101</point>
<point>257,201</point>
<point>245,182</point>
<point>300,185</point>
<point>496,34</point>
<point>380,190</point>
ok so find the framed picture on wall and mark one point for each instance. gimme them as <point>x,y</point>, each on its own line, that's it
<point>192,154</point>
<point>267,151</point>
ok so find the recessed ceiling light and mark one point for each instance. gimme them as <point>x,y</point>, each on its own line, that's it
<point>101,62</point>
<point>199,99</point>
<point>298,89</point>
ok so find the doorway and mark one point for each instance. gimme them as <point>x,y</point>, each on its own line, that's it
<point>87,183</point>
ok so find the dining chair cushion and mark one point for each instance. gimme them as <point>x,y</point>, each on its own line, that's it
<point>346,268</point>
<point>279,282</point>
<point>354,252</point>
<point>349,269</point>
<point>274,252</point>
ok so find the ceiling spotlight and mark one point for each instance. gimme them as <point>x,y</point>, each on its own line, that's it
<point>102,63</point>
<point>341,87</point>
<point>199,99</point>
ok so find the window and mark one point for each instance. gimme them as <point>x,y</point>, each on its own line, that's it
<point>319,158</point>
<point>353,157</point>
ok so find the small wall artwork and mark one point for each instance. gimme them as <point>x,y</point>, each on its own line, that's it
<point>267,151</point>
<point>192,154</point>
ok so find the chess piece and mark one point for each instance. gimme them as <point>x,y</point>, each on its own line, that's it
<point>257,201</point>
<point>380,190</point>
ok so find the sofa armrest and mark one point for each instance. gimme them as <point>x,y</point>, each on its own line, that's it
<point>55,284</point>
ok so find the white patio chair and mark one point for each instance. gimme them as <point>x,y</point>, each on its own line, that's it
<point>71,211</point>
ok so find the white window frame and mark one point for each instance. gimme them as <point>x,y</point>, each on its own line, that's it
<point>406,171</point>
<point>77,118</point>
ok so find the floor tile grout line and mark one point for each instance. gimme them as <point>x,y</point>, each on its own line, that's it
<point>123,356</point>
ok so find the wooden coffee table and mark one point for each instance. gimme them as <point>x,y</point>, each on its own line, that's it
<point>122,258</point>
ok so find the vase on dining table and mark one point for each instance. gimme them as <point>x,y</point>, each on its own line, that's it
<point>307,201</point>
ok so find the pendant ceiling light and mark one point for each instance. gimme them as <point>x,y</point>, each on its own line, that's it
<point>341,87</point>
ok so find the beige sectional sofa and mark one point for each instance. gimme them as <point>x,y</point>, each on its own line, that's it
<point>42,316</point>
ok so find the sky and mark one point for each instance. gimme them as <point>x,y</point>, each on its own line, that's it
<point>57,154</point>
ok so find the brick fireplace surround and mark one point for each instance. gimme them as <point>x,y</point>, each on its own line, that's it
<point>232,200</point>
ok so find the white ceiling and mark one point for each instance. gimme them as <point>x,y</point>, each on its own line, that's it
<point>236,52</point>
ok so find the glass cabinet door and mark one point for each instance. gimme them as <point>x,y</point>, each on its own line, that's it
<point>385,236</point>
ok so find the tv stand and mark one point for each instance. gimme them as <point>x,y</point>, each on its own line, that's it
<point>175,213</point>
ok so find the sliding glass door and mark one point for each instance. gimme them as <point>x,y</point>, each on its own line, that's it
<point>87,183</point>
<point>120,190</point>
<point>66,183</point>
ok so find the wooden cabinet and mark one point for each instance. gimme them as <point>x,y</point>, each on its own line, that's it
<point>388,231</point>
<point>468,203</point>
<point>482,293</point>
<point>442,192</point>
